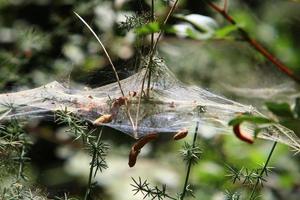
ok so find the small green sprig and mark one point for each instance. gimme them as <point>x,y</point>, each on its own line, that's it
<point>14,143</point>
<point>98,150</point>
<point>18,191</point>
<point>232,195</point>
<point>191,154</point>
<point>13,134</point>
<point>252,177</point>
<point>92,141</point>
<point>146,190</point>
<point>135,21</point>
<point>248,176</point>
<point>234,173</point>
<point>77,126</point>
<point>263,171</point>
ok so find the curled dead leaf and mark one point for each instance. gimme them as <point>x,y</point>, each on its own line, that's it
<point>103,119</point>
<point>242,135</point>
<point>180,134</point>
<point>144,140</point>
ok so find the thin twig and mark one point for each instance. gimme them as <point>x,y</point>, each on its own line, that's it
<point>189,165</point>
<point>263,171</point>
<point>255,44</point>
<point>162,29</point>
<point>151,58</point>
<point>151,47</point>
<point>112,65</point>
<point>105,51</point>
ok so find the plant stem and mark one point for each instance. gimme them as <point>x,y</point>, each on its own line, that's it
<point>105,51</point>
<point>112,65</point>
<point>21,165</point>
<point>189,166</point>
<point>151,47</point>
<point>165,195</point>
<point>263,170</point>
<point>152,52</point>
<point>88,190</point>
<point>255,44</point>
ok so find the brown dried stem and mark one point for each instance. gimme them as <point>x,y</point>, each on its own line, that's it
<point>254,43</point>
<point>112,65</point>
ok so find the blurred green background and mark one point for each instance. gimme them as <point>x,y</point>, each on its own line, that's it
<point>42,41</point>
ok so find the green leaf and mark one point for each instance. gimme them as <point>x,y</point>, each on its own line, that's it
<point>280,109</point>
<point>191,33</point>
<point>249,118</point>
<point>224,31</point>
<point>149,28</point>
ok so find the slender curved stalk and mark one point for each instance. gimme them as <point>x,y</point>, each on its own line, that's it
<point>113,67</point>
<point>105,51</point>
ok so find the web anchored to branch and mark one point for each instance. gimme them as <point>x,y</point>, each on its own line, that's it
<point>171,107</point>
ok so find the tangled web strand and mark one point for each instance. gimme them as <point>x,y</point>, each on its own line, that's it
<point>171,106</point>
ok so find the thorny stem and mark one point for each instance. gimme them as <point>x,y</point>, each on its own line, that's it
<point>88,190</point>
<point>151,59</point>
<point>255,44</point>
<point>147,191</point>
<point>189,165</point>
<point>166,195</point>
<point>263,170</point>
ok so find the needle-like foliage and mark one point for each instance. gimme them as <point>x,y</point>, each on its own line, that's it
<point>146,190</point>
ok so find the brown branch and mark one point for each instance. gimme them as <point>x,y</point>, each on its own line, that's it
<point>255,44</point>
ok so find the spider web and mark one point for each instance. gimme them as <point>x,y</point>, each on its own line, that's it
<point>172,106</point>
